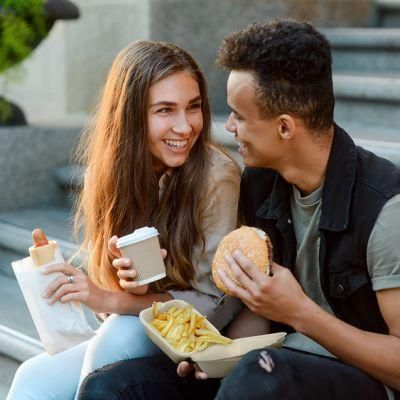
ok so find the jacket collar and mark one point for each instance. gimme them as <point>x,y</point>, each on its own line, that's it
<point>337,191</point>
<point>339,182</point>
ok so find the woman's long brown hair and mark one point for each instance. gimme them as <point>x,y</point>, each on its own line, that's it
<point>121,191</point>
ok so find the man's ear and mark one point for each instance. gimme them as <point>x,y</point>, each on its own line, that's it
<point>286,126</point>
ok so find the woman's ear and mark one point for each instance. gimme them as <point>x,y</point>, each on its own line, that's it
<point>286,126</point>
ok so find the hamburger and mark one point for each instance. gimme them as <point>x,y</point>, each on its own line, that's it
<point>252,242</point>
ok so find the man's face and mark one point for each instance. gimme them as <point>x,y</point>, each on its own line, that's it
<point>258,138</point>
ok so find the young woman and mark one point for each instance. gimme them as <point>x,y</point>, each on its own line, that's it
<point>150,161</point>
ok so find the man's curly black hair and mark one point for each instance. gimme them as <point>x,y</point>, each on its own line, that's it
<point>292,65</point>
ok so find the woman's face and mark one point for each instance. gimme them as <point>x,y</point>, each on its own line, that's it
<point>175,120</point>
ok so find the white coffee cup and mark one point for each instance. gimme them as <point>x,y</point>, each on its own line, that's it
<point>142,247</point>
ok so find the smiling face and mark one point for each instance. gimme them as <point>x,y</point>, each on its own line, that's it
<point>258,138</point>
<point>175,120</point>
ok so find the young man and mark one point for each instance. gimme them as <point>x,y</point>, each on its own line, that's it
<point>331,210</point>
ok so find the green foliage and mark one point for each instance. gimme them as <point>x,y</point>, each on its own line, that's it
<point>5,110</point>
<point>22,26</point>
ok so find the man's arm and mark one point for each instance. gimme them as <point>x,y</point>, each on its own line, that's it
<point>280,298</point>
<point>376,354</point>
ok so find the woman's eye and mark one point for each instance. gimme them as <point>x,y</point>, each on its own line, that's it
<point>195,106</point>
<point>164,110</point>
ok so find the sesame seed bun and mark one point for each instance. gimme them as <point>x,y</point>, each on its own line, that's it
<point>252,242</point>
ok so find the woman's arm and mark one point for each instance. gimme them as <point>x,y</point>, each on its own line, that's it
<point>218,219</point>
<point>81,288</point>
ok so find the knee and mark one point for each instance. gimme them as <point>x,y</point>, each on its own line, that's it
<point>111,381</point>
<point>121,337</point>
<point>121,331</point>
<point>97,386</point>
<point>28,372</point>
<point>26,382</point>
<point>261,376</point>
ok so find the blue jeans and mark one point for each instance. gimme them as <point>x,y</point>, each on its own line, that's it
<point>58,377</point>
<point>295,376</point>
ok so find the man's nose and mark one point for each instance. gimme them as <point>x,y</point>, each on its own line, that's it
<point>230,124</point>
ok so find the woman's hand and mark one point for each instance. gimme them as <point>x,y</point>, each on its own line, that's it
<point>126,271</point>
<point>74,285</point>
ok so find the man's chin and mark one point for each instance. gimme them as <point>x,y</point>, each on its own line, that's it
<point>247,161</point>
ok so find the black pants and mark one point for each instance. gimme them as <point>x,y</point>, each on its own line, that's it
<point>296,375</point>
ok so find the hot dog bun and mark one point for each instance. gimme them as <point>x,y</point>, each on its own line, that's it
<point>252,242</point>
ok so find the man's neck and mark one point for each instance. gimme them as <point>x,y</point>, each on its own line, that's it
<point>306,166</point>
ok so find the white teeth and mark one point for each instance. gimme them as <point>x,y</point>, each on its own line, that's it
<point>176,143</point>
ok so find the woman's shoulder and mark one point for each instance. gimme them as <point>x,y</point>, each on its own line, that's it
<point>221,163</point>
<point>223,170</point>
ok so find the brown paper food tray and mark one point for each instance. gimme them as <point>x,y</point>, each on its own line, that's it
<point>216,360</point>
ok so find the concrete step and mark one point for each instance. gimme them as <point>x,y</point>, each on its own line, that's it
<point>365,49</point>
<point>69,178</point>
<point>388,13</point>
<point>368,100</point>
<point>16,233</point>
<point>8,367</point>
<point>18,336</point>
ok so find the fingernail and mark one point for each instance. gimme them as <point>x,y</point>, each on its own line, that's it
<point>44,294</point>
<point>49,301</point>
<point>127,262</point>
<point>44,269</point>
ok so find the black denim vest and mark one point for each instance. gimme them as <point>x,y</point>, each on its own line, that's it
<point>357,185</point>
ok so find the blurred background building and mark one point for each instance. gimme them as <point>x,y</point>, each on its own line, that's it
<point>58,85</point>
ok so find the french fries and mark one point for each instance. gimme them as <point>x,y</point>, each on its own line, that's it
<point>184,329</point>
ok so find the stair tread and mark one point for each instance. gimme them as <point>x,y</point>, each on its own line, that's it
<point>13,309</point>
<point>368,86</point>
<point>389,4</point>
<point>359,133</point>
<point>56,222</point>
<point>373,38</point>
<point>8,367</point>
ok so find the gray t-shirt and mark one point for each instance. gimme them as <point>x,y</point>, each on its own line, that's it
<point>383,256</point>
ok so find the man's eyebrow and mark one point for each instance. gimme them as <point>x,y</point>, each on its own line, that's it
<point>234,111</point>
<point>171,103</point>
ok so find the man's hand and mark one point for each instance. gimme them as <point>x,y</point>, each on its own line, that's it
<point>185,367</point>
<point>278,297</point>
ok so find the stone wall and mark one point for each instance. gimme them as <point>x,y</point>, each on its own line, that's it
<point>63,78</point>
<point>28,158</point>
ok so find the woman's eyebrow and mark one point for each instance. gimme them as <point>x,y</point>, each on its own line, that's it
<point>195,100</point>
<point>171,103</point>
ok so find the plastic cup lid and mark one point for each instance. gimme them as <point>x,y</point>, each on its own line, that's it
<point>137,236</point>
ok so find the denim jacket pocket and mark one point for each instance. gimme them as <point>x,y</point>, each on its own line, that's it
<point>344,283</point>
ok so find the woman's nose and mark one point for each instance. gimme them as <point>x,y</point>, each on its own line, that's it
<point>182,125</point>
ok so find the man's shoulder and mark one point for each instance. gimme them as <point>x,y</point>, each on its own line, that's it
<point>377,173</point>
<point>256,186</point>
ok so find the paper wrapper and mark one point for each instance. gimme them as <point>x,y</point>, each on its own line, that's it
<point>60,325</point>
<point>146,259</point>
<point>216,360</point>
